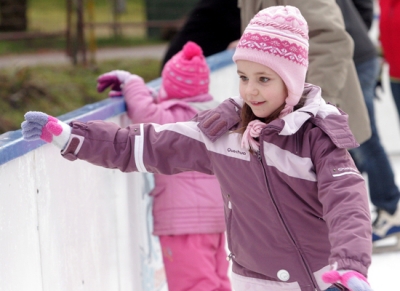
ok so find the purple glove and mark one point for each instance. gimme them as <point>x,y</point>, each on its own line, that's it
<point>116,80</point>
<point>352,280</point>
<point>39,125</point>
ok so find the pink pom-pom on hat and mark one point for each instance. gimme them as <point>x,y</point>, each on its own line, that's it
<point>186,74</point>
<point>277,37</point>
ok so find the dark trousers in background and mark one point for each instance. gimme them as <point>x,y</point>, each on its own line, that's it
<point>371,157</point>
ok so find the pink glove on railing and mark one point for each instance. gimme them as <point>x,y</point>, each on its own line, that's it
<point>352,280</point>
<point>39,125</point>
<point>116,80</point>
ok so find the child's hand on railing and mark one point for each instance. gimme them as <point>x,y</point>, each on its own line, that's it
<point>39,125</point>
<point>116,80</point>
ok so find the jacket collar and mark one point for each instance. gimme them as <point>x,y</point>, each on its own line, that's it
<point>330,119</point>
<point>314,106</point>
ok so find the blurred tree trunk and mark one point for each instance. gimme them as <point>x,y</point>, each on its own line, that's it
<point>76,42</point>
<point>13,15</point>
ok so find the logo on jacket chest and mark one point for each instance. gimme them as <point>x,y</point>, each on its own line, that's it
<point>236,152</point>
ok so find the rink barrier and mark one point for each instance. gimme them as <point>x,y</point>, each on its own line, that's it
<point>74,226</point>
<point>13,146</point>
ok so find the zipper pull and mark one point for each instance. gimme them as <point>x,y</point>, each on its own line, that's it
<point>230,257</point>
<point>259,155</point>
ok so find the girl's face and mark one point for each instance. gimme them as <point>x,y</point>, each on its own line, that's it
<point>260,87</point>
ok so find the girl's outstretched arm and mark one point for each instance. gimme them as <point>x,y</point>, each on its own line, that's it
<point>167,149</point>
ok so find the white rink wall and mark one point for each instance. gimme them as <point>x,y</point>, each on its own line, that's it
<point>68,226</point>
<point>74,226</point>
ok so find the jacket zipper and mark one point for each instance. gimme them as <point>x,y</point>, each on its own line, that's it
<point>230,257</point>
<point>228,229</point>
<point>259,157</point>
<point>297,142</point>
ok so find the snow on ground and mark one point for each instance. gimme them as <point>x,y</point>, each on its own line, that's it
<point>385,271</point>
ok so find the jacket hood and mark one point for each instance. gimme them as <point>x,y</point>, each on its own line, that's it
<point>314,106</point>
<point>331,120</point>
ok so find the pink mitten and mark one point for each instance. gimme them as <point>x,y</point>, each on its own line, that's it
<point>352,280</point>
<point>115,80</point>
<point>39,125</point>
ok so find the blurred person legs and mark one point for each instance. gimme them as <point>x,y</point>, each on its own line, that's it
<point>395,87</point>
<point>333,289</point>
<point>387,225</point>
<point>212,24</point>
<point>371,158</point>
<point>195,262</point>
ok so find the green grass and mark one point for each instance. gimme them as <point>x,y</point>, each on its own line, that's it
<point>47,16</point>
<point>50,15</point>
<point>59,44</point>
<point>57,90</point>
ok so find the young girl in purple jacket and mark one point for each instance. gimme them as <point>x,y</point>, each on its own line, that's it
<point>296,207</point>
<point>188,212</point>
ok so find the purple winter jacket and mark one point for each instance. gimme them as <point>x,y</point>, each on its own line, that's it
<point>184,203</point>
<point>293,210</point>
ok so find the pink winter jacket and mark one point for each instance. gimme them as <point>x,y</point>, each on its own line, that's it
<point>184,203</point>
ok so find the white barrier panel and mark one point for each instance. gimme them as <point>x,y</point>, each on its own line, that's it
<point>74,226</point>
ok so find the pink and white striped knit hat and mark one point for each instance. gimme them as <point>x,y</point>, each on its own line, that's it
<point>277,37</point>
<point>186,74</point>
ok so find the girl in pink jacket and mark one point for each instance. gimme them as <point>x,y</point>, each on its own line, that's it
<point>188,211</point>
<point>296,207</point>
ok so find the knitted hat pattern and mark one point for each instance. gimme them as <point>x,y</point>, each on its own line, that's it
<point>186,74</point>
<point>277,37</point>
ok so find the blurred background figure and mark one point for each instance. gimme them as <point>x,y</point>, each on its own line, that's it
<point>389,30</point>
<point>187,209</point>
<point>388,219</point>
<point>212,24</point>
<point>371,157</point>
